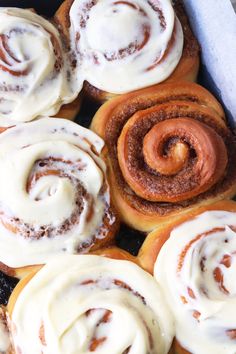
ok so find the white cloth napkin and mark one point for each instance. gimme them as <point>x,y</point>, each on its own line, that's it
<point>214,24</point>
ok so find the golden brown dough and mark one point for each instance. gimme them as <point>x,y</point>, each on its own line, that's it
<point>114,252</point>
<point>71,110</point>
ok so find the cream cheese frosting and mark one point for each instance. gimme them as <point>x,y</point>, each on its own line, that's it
<point>122,46</point>
<point>53,191</point>
<point>196,269</point>
<point>4,334</point>
<point>35,76</point>
<point>4,339</point>
<point>83,304</point>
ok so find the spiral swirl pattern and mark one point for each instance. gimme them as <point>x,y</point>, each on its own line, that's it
<point>167,152</point>
<point>196,269</point>
<point>35,78</point>
<point>54,197</point>
<point>168,148</point>
<point>122,46</point>
<point>112,306</point>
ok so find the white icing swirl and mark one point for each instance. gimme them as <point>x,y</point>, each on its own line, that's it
<point>83,304</point>
<point>53,194</point>
<point>34,71</point>
<point>125,45</point>
<point>196,269</point>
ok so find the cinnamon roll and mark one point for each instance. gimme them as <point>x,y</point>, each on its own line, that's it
<point>122,46</point>
<point>83,304</point>
<point>195,267</point>
<point>35,74</point>
<point>169,151</point>
<point>54,196</point>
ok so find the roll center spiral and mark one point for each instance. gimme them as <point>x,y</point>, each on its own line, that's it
<point>119,41</point>
<point>170,148</point>
<point>164,159</point>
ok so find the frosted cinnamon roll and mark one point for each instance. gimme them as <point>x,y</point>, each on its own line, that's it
<point>83,304</point>
<point>122,46</point>
<point>169,150</point>
<point>54,196</point>
<point>34,73</point>
<point>196,270</point>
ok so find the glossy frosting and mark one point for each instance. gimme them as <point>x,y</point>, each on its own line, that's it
<point>34,76</point>
<point>196,269</point>
<point>83,304</point>
<point>125,45</point>
<point>53,193</point>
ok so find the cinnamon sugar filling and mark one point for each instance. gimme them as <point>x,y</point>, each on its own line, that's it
<point>135,159</point>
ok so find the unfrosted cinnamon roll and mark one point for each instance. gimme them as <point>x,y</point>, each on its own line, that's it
<point>122,46</point>
<point>169,151</point>
<point>54,196</point>
<point>83,304</point>
<point>195,267</point>
<point>35,76</point>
